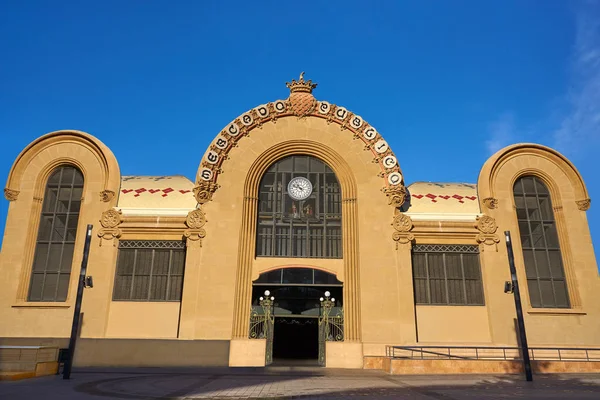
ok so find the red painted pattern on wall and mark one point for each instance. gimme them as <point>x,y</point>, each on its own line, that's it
<point>434,198</point>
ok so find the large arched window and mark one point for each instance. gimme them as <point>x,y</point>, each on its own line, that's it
<point>56,236</point>
<point>539,239</point>
<point>300,210</point>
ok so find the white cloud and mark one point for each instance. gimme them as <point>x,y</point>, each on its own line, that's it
<point>580,125</point>
<point>501,133</point>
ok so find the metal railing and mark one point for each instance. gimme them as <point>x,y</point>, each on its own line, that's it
<point>492,353</point>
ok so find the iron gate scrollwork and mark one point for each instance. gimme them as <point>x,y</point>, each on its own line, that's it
<point>262,324</point>
<point>331,325</point>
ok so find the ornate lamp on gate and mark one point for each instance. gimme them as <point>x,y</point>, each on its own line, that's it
<point>267,303</point>
<point>327,303</point>
<point>330,328</point>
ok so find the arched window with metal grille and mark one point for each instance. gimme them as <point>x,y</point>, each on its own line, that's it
<point>55,245</point>
<point>539,241</point>
<point>299,210</point>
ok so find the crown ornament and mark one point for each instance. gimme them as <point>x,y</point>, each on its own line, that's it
<point>301,85</point>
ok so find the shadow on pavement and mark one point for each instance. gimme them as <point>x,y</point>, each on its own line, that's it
<point>295,383</point>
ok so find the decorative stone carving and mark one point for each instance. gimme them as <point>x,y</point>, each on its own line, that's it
<point>107,195</point>
<point>486,224</point>
<point>402,226</point>
<point>301,100</point>
<point>396,195</point>
<point>110,218</point>
<point>490,202</point>
<point>582,205</point>
<point>195,221</point>
<point>300,103</point>
<point>487,227</point>
<point>110,221</point>
<point>204,191</point>
<point>10,194</point>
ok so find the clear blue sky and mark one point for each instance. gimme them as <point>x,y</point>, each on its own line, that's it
<point>446,82</point>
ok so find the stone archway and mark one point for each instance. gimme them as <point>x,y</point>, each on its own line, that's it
<point>243,288</point>
<point>301,104</point>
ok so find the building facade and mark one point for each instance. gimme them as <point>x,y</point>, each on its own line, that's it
<point>298,197</point>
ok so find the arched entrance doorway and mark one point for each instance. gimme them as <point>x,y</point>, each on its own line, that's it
<point>297,311</point>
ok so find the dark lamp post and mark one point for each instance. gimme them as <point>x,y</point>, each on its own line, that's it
<point>513,287</point>
<point>83,282</point>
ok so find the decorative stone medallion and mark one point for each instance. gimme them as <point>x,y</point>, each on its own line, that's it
<point>488,227</point>
<point>402,226</point>
<point>195,219</point>
<point>110,221</point>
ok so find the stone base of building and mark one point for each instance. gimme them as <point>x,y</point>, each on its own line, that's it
<point>138,352</point>
<point>247,353</point>
<point>344,355</point>
<point>440,367</point>
<point>14,371</point>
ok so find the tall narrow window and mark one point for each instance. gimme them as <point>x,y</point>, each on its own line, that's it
<point>150,270</point>
<point>539,239</point>
<point>299,210</point>
<point>56,236</point>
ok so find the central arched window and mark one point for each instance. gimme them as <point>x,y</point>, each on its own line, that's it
<point>301,219</point>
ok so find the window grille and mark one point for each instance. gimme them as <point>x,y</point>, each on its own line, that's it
<point>55,245</point>
<point>151,244</point>
<point>149,270</point>
<point>445,248</point>
<point>447,275</point>
<point>539,241</point>
<point>310,228</point>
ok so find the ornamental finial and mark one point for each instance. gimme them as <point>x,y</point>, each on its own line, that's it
<point>301,85</point>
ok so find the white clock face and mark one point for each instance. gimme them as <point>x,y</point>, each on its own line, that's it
<point>299,188</point>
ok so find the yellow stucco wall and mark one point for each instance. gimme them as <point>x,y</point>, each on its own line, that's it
<point>453,325</point>
<point>220,259</point>
<point>134,319</point>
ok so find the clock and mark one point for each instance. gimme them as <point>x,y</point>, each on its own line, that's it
<point>299,188</point>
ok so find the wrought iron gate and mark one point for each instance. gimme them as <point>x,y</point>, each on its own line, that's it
<point>262,324</point>
<point>331,325</point>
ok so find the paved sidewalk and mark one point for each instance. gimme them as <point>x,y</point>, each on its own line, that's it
<point>293,383</point>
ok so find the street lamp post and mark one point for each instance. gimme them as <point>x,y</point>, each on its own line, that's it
<point>513,287</point>
<point>83,282</point>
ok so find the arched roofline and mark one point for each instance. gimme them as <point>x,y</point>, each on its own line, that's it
<point>300,104</point>
<point>491,168</point>
<point>106,158</point>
